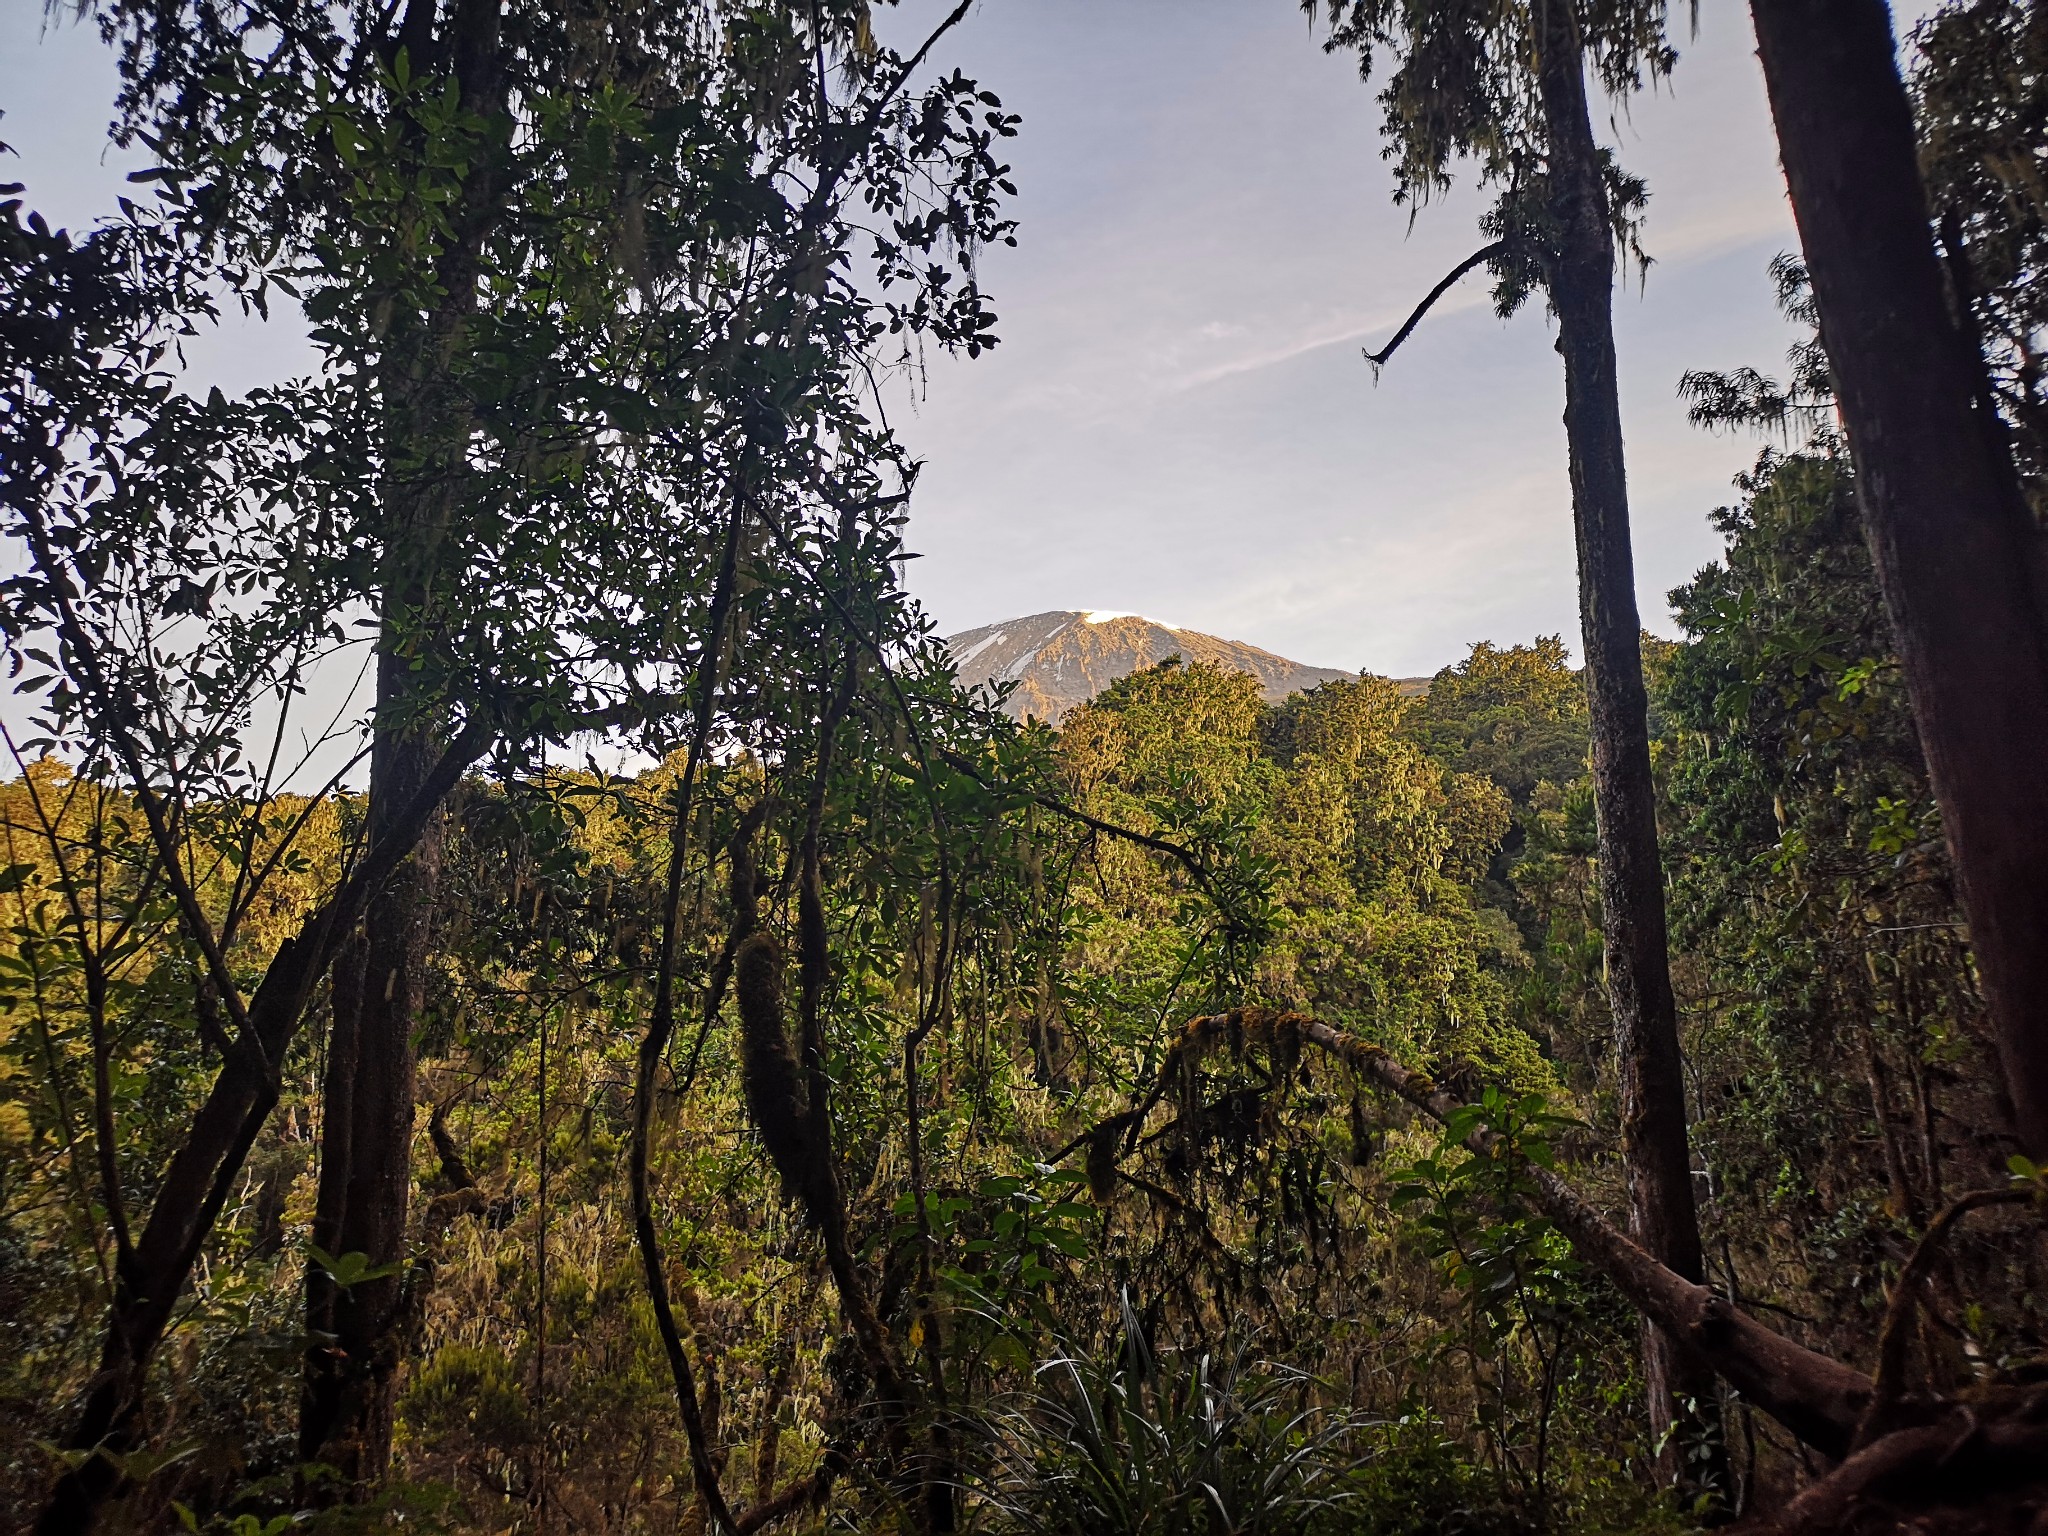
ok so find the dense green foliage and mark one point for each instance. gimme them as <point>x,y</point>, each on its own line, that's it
<point>1351,865</point>
<point>1843,1069</point>
<point>958,1229</point>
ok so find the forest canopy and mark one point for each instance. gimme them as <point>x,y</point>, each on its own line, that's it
<point>1580,1095</point>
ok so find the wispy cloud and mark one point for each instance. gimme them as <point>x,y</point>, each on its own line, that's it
<point>1700,236</point>
<point>1174,424</point>
<point>1379,324</point>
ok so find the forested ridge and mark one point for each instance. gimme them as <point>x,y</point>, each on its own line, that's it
<point>1596,1094</point>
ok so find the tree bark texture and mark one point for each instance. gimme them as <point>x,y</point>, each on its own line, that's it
<point>349,1399</point>
<point>1655,1152</point>
<point>366,1173</point>
<point>1957,554</point>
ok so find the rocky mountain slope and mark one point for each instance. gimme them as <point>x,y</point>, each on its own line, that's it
<point>1062,659</point>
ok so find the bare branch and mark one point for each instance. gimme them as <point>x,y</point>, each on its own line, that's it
<point>1483,254</point>
<point>1058,807</point>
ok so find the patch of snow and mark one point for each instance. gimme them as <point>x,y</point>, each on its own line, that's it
<point>961,661</point>
<point>1104,615</point>
<point>1016,668</point>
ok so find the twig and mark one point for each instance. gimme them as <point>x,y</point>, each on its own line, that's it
<point>1059,807</point>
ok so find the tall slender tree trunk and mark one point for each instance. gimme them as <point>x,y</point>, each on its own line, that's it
<point>1958,556</point>
<point>1653,1126</point>
<point>395,933</point>
<point>348,1405</point>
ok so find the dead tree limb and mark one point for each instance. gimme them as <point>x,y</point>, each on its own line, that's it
<point>1058,807</point>
<point>453,1166</point>
<point>1484,254</point>
<point>1817,1398</point>
<point>1977,1455</point>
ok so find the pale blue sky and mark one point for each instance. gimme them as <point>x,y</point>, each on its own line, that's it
<point>1178,422</point>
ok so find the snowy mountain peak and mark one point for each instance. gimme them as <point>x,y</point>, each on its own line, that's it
<point>1066,657</point>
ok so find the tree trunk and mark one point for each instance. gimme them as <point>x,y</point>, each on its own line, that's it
<point>349,1399</point>
<point>366,1172</point>
<point>202,1172</point>
<point>347,1414</point>
<point>1653,1127</point>
<point>381,1109</point>
<point>1958,557</point>
<point>324,1360</point>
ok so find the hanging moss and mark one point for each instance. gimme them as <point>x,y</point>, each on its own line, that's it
<point>773,1080</point>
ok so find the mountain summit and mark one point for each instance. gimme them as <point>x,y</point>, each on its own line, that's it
<point>1062,659</point>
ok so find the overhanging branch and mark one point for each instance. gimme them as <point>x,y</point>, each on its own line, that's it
<point>1483,254</point>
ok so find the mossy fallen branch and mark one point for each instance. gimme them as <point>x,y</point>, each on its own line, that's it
<point>1817,1398</point>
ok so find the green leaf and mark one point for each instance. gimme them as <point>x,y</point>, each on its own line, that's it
<point>350,1269</point>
